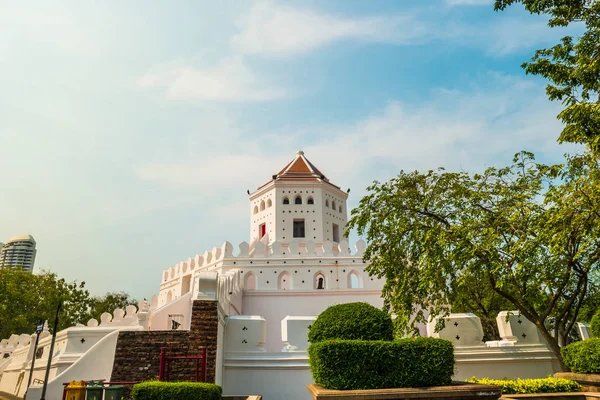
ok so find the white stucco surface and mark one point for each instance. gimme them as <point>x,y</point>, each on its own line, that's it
<point>96,364</point>
<point>275,306</point>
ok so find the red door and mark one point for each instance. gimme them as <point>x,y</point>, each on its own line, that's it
<point>262,230</point>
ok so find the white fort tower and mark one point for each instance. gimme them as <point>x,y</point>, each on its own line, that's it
<point>298,204</point>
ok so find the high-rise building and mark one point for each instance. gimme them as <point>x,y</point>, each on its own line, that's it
<point>18,251</point>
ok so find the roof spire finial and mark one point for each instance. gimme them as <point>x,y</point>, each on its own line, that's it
<point>300,153</point>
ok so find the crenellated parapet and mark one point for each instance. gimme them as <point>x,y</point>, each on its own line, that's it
<point>131,316</point>
<point>219,256</point>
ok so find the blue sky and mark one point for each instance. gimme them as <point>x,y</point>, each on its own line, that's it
<point>129,134</point>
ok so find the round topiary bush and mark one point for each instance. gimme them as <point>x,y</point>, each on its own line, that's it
<point>583,357</point>
<point>352,321</point>
<point>595,324</point>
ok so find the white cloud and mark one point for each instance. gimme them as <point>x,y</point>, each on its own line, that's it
<point>469,129</point>
<point>273,29</point>
<point>230,80</point>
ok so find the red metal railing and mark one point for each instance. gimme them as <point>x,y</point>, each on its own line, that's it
<point>164,368</point>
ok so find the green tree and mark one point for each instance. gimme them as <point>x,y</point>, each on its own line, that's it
<point>473,294</point>
<point>572,66</point>
<point>108,303</point>
<point>26,298</point>
<point>530,230</point>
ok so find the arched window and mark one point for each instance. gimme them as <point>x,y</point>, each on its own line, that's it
<point>326,203</point>
<point>285,281</point>
<point>269,203</point>
<point>319,281</point>
<point>169,297</point>
<point>250,281</point>
<point>255,209</point>
<point>286,200</point>
<point>298,200</point>
<point>340,209</point>
<point>333,205</point>
<point>262,205</point>
<point>354,280</point>
<point>310,201</point>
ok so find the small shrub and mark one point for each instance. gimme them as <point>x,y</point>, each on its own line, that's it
<point>595,324</point>
<point>352,321</point>
<point>526,386</point>
<point>176,391</point>
<point>583,357</point>
<point>360,364</point>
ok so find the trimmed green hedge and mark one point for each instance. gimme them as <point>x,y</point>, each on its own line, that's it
<point>583,357</point>
<point>352,321</point>
<point>526,386</point>
<point>176,391</point>
<point>359,364</point>
<point>595,325</point>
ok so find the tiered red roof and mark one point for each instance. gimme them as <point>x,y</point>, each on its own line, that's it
<point>300,169</point>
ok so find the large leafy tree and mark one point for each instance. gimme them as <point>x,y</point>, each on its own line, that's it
<point>25,298</point>
<point>530,231</point>
<point>572,66</point>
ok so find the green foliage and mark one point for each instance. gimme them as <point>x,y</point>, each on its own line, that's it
<point>108,303</point>
<point>583,357</point>
<point>526,386</point>
<point>352,321</point>
<point>25,298</point>
<point>176,391</point>
<point>595,324</point>
<point>475,295</point>
<point>572,66</point>
<point>590,306</point>
<point>528,231</point>
<point>361,364</point>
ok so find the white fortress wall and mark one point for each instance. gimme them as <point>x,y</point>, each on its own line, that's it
<point>70,346</point>
<point>95,364</point>
<point>249,367</point>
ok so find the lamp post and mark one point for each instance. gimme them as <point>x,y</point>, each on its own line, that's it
<point>51,351</point>
<point>39,327</point>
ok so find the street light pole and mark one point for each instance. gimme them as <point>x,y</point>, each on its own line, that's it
<point>38,329</point>
<point>51,351</point>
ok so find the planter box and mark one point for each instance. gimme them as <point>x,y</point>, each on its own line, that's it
<point>241,397</point>
<point>588,382</point>
<point>456,391</point>
<point>554,396</point>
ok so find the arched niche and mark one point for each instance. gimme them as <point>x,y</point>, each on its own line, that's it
<point>262,205</point>
<point>250,281</point>
<point>255,209</point>
<point>319,281</point>
<point>285,281</point>
<point>355,280</point>
<point>269,203</point>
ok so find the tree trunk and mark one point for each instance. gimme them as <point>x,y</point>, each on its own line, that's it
<point>553,343</point>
